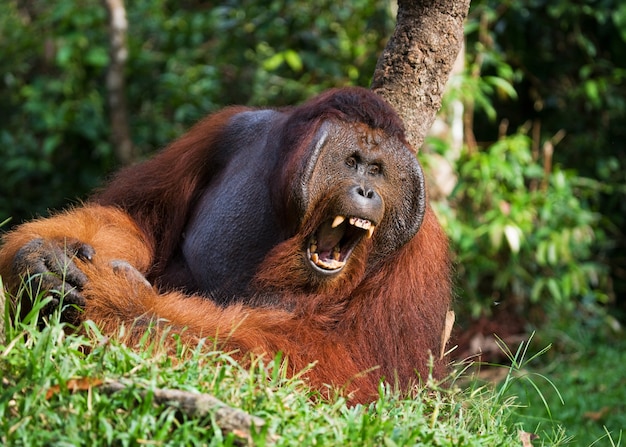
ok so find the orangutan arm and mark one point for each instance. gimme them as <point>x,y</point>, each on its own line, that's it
<point>123,305</point>
<point>53,252</point>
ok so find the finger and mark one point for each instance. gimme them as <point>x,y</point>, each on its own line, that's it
<point>123,267</point>
<point>59,260</point>
<point>82,251</point>
<point>28,260</point>
<point>58,263</point>
<point>49,268</point>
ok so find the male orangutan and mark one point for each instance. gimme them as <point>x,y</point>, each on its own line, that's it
<point>304,231</point>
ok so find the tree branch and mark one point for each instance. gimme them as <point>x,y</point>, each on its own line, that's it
<point>197,405</point>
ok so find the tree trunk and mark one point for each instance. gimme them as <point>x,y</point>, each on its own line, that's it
<point>115,82</point>
<point>412,71</point>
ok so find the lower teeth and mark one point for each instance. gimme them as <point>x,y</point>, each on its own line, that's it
<point>329,264</point>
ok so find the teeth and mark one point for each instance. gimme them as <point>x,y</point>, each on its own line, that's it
<point>338,221</point>
<point>360,223</point>
<point>331,264</point>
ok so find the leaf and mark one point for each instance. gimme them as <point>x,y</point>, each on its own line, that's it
<point>495,235</point>
<point>555,291</point>
<point>73,385</point>
<point>536,290</point>
<point>597,415</point>
<point>553,258</point>
<point>619,19</point>
<point>447,331</point>
<point>527,438</point>
<point>540,252</point>
<point>504,87</point>
<point>97,57</point>
<point>293,60</point>
<point>64,54</point>
<point>50,144</point>
<point>514,237</point>
<point>273,62</point>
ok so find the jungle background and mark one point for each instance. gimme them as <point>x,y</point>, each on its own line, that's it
<point>530,145</point>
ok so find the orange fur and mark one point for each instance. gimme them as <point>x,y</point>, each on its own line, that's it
<point>112,232</point>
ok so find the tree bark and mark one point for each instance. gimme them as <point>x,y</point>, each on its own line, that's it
<point>116,85</point>
<point>413,69</point>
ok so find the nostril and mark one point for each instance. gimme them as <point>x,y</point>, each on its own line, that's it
<point>367,193</point>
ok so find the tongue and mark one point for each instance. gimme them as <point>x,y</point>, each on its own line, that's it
<point>328,237</point>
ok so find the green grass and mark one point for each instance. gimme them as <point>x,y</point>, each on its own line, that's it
<point>33,412</point>
<point>589,373</point>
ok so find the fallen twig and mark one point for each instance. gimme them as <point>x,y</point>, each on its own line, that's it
<point>229,419</point>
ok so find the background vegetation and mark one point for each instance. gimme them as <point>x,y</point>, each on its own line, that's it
<point>537,216</point>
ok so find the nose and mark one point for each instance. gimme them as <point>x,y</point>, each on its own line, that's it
<point>366,197</point>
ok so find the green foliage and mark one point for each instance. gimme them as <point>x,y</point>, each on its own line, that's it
<point>569,63</point>
<point>527,230</point>
<point>572,64</point>
<point>185,60</point>
<point>53,131</point>
<point>520,236</point>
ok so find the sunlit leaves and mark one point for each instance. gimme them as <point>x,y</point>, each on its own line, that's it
<point>290,57</point>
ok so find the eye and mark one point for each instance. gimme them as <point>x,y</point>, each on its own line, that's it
<point>351,162</point>
<point>374,169</point>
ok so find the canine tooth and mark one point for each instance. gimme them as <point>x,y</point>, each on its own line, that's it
<point>336,254</point>
<point>338,221</point>
<point>315,257</point>
<point>313,248</point>
<point>370,231</point>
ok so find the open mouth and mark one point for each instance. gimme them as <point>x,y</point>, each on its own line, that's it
<point>333,242</point>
